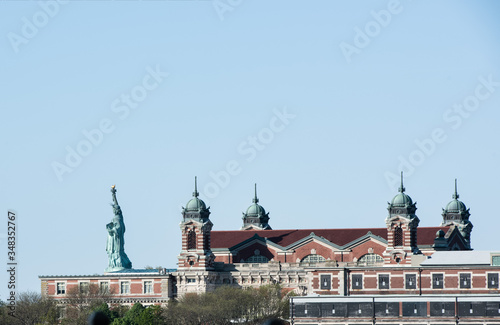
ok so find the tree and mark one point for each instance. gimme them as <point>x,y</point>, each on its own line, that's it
<point>31,309</point>
<point>104,308</point>
<point>139,315</point>
<point>82,301</point>
<point>273,303</point>
<point>229,305</point>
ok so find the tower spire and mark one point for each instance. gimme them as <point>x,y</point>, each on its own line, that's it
<point>255,199</point>
<point>402,188</point>
<point>195,193</point>
<point>455,195</point>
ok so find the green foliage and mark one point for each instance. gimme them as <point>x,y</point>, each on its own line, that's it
<point>228,305</point>
<point>225,306</point>
<point>118,311</point>
<point>31,308</point>
<point>140,315</point>
<point>104,308</point>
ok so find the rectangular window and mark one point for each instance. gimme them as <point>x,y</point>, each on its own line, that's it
<point>148,286</point>
<point>337,309</point>
<point>471,309</point>
<point>442,309</point>
<point>60,312</point>
<point>84,287</point>
<point>125,288</point>
<point>437,281</point>
<point>398,236</point>
<point>495,260</point>
<point>387,309</point>
<point>464,280</point>
<point>493,280</point>
<point>300,310</point>
<point>313,310</point>
<point>104,287</point>
<point>359,309</point>
<point>414,309</point>
<point>383,281</point>
<point>357,281</point>
<point>189,280</point>
<point>61,288</point>
<point>411,281</point>
<point>492,309</point>
<point>325,282</point>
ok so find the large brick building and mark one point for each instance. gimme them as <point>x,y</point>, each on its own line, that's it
<point>399,258</point>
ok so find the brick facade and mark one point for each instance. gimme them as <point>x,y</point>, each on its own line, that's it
<point>357,262</point>
<point>148,287</point>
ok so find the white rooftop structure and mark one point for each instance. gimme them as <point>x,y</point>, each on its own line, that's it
<point>460,258</point>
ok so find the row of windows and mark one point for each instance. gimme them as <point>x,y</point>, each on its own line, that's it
<point>84,287</point>
<point>251,280</point>
<point>392,309</point>
<point>257,259</point>
<point>147,287</point>
<point>312,259</point>
<point>370,259</point>
<point>410,281</point>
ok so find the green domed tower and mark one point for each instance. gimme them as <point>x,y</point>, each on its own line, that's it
<point>196,230</point>
<point>402,204</point>
<point>195,208</point>
<point>457,214</point>
<point>402,224</point>
<point>256,217</point>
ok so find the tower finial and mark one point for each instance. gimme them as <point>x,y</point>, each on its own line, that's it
<point>455,195</point>
<point>402,188</point>
<point>195,193</point>
<point>255,199</point>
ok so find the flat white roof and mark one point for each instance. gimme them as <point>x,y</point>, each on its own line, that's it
<point>459,258</point>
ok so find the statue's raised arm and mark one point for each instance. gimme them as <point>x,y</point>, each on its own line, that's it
<point>113,190</point>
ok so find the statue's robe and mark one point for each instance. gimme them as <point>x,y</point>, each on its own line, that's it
<point>115,244</point>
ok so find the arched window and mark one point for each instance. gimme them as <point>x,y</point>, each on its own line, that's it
<point>313,259</point>
<point>257,259</point>
<point>398,236</point>
<point>191,240</point>
<point>370,260</point>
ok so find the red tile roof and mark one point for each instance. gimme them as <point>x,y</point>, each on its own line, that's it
<point>340,237</point>
<point>426,235</point>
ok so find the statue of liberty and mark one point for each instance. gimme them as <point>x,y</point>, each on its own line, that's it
<point>117,259</point>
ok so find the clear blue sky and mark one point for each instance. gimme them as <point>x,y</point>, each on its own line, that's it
<point>318,102</point>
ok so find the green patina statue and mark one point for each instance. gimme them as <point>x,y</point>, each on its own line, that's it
<point>117,258</point>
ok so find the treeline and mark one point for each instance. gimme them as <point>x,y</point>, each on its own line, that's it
<point>227,305</point>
